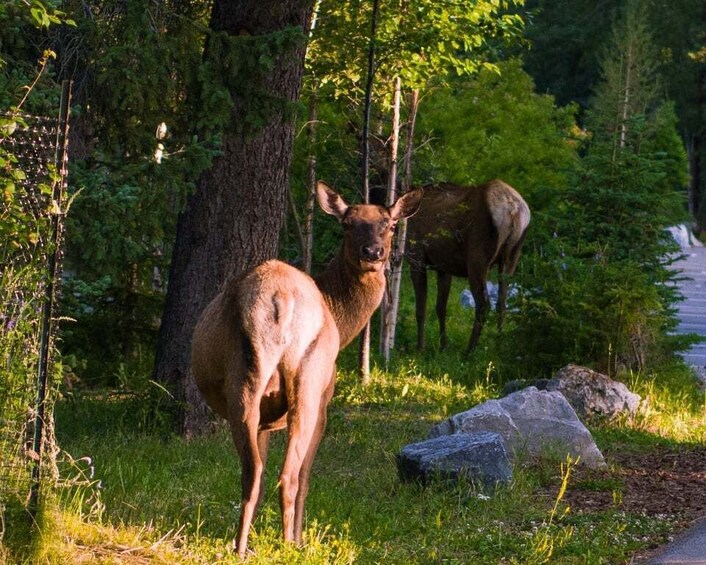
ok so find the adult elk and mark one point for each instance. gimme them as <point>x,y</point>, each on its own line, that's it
<point>264,350</point>
<point>463,231</point>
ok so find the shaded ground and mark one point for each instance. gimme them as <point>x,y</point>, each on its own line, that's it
<point>662,481</point>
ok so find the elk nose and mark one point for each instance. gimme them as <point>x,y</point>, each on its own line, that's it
<point>372,252</point>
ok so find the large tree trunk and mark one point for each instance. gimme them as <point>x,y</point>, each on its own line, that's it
<point>232,221</point>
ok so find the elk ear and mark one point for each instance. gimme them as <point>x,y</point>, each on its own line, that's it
<point>406,205</point>
<point>330,201</point>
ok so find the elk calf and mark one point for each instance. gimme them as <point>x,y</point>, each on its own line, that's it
<point>463,231</point>
<point>264,350</point>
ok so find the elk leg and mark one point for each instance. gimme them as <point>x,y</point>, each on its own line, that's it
<point>301,431</point>
<point>482,300</point>
<point>302,424</point>
<point>244,420</point>
<point>305,471</point>
<point>263,447</point>
<point>443,287</point>
<point>502,293</point>
<point>419,282</point>
<point>506,268</point>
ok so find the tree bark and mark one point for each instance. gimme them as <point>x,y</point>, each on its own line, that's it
<point>387,322</point>
<point>232,221</point>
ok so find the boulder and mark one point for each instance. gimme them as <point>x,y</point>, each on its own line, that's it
<point>476,457</point>
<point>590,393</point>
<point>532,421</point>
<point>488,416</point>
<point>594,394</point>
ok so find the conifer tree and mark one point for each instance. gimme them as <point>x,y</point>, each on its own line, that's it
<point>598,295</point>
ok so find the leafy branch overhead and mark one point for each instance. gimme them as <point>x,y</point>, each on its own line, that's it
<point>420,41</point>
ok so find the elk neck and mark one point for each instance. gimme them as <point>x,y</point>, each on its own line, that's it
<point>352,295</point>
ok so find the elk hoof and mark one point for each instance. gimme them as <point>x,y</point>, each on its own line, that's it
<point>242,555</point>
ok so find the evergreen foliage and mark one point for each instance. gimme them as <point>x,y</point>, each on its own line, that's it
<point>566,38</point>
<point>565,59</point>
<point>127,197</point>
<point>601,290</point>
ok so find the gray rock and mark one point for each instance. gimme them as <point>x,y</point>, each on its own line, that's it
<point>530,421</point>
<point>593,394</point>
<point>549,425</point>
<point>478,457</point>
<point>488,416</point>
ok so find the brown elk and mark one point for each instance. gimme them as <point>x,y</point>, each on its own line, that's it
<point>264,350</point>
<point>463,231</point>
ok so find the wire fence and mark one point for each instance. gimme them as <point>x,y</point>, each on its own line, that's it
<point>33,165</point>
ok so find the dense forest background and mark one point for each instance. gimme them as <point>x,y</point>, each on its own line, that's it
<point>593,110</point>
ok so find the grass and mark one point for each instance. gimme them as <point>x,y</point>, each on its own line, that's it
<point>134,495</point>
<point>171,501</point>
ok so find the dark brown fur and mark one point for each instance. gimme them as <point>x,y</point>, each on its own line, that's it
<point>463,231</point>
<point>264,350</point>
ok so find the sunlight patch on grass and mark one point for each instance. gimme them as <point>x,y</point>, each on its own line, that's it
<point>66,537</point>
<point>672,407</point>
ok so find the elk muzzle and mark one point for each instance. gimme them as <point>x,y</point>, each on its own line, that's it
<point>372,253</point>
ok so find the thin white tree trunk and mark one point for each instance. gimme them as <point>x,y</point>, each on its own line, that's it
<point>400,243</point>
<point>626,99</point>
<point>388,320</point>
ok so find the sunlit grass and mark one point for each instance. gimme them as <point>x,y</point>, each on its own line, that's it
<point>131,495</point>
<point>177,501</point>
<point>673,407</point>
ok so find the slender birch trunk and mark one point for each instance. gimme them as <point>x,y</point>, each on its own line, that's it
<point>295,216</point>
<point>399,249</point>
<point>387,322</point>
<point>626,99</point>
